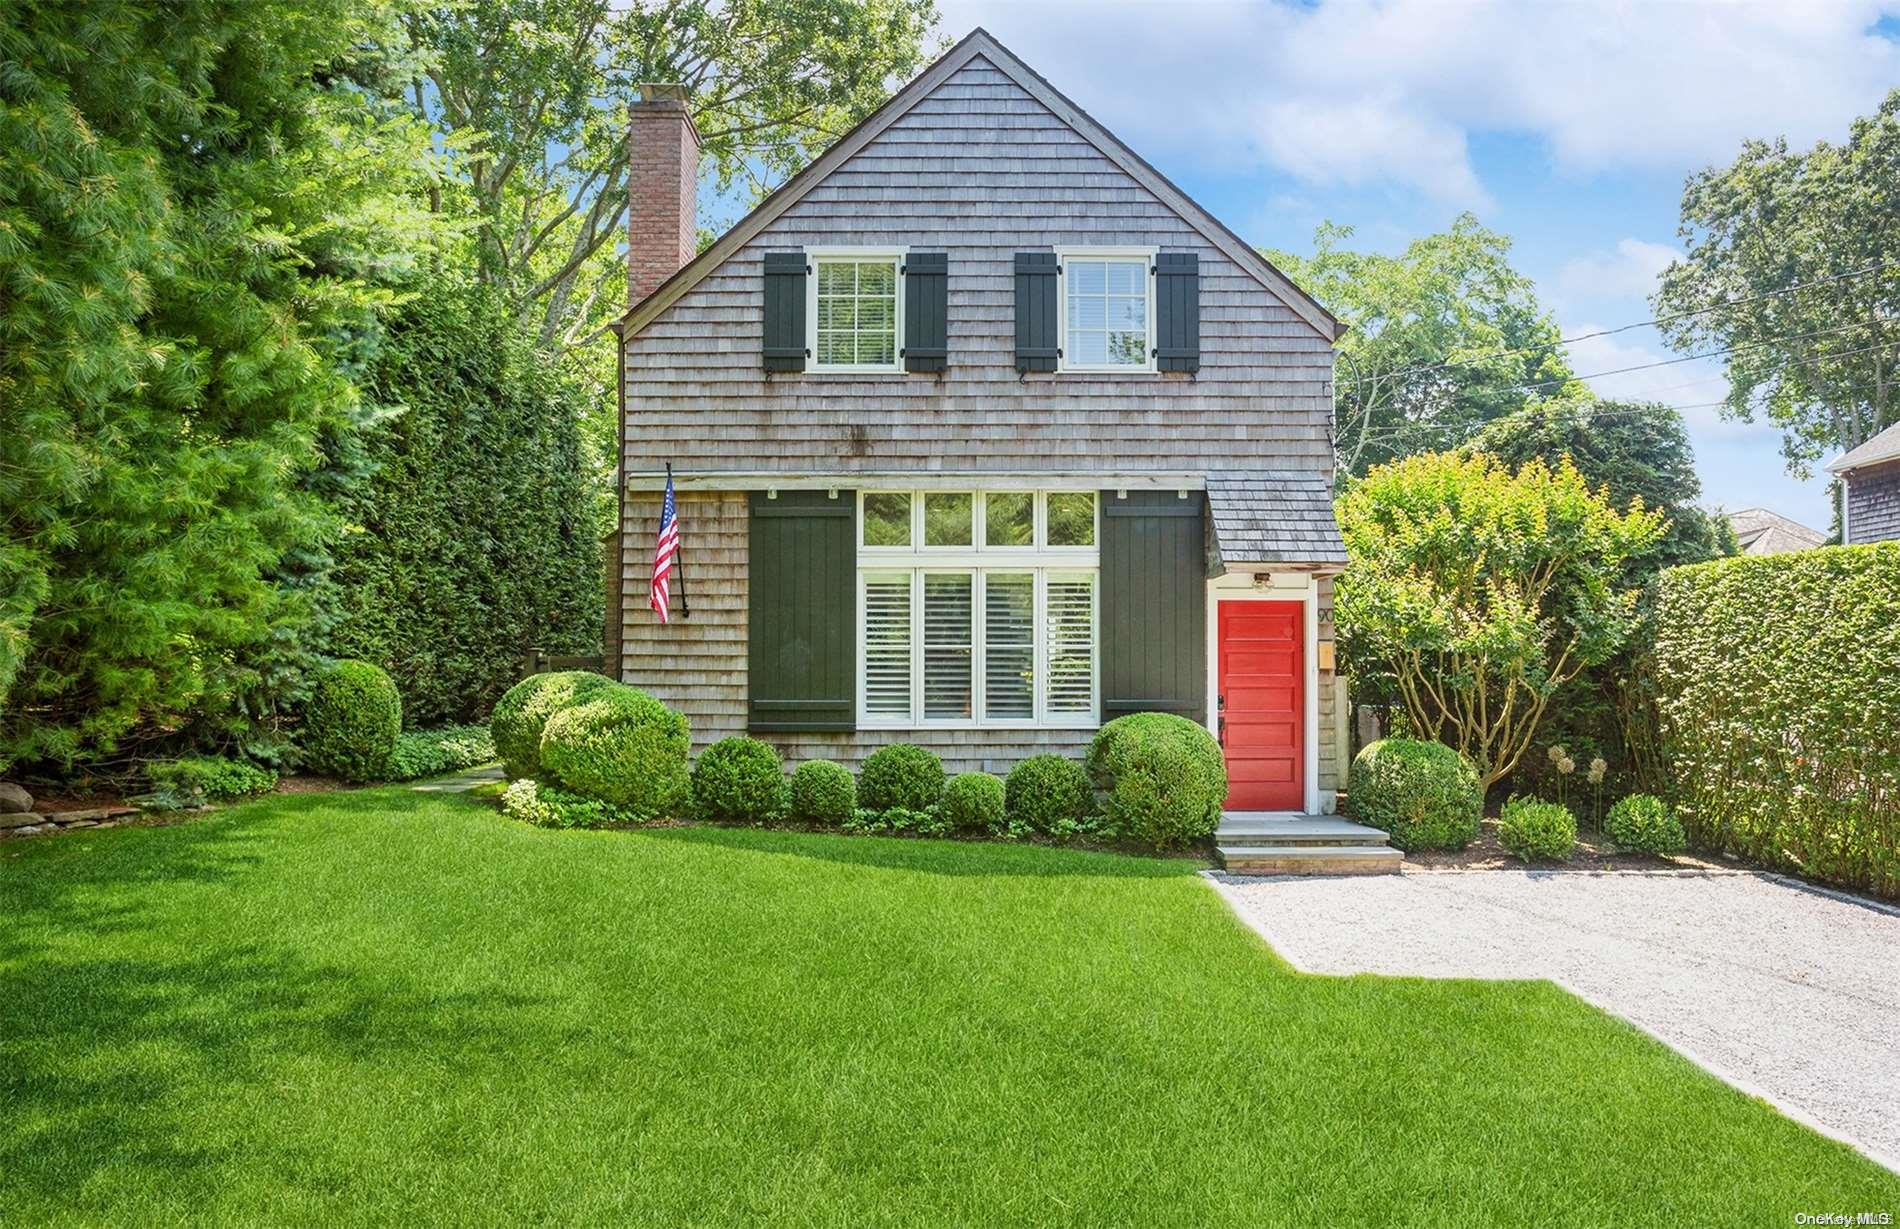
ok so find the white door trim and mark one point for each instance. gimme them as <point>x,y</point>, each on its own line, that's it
<point>1308,597</point>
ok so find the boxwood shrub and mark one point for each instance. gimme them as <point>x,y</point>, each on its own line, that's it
<point>351,721</point>
<point>739,780</point>
<point>550,806</point>
<point>1780,714</point>
<point>1047,794</point>
<point>522,713</point>
<point>973,802</point>
<point>620,747</point>
<point>1643,823</point>
<point>1424,793</point>
<point>1160,778</point>
<point>822,792</point>
<point>901,775</point>
<point>1531,829</point>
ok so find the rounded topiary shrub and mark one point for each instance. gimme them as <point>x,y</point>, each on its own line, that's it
<point>620,746</point>
<point>1424,793</point>
<point>739,780</point>
<point>352,721</point>
<point>1046,793</point>
<point>973,802</point>
<point>1160,778</point>
<point>900,775</point>
<point>1643,823</point>
<point>822,793</point>
<point>521,714</point>
<point>1532,829</point>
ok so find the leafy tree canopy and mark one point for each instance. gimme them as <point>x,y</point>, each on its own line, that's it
<point>1444,337</point>
<point>1482,591</point>
<point>1821,362</point>
<point>529,98</point>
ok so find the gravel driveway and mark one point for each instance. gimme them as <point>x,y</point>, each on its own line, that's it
<point>1791,993</point>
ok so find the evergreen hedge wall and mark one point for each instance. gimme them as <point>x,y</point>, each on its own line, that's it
<point>1779,684</point>
<point>480,534</point>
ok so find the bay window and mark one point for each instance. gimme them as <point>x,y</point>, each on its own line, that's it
<point>978,608</point>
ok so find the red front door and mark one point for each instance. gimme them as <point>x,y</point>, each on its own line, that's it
<point>1262,704</point>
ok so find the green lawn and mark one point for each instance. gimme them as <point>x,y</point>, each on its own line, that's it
<point>396,1007</point>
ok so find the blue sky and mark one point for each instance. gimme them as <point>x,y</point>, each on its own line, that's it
<point>1568,126</point>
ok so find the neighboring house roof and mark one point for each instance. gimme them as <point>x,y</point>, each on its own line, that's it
<point>980,42</point>
<point>1761,532</point>
<point>1881,448</point>
<point>1273,518</point>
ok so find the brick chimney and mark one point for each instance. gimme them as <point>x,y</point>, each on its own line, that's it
<point>662,188</point>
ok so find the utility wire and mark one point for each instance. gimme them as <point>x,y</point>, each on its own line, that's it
<point>1624,328</point>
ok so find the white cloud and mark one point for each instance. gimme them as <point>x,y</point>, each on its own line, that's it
<point>1356,92</point>
<point>1628,272</point>
<point>1690,386</point>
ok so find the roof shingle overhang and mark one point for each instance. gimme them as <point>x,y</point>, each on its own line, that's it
<point>1272,519</point>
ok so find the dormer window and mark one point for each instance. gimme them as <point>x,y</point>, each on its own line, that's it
<point>856,310</point>
<point>1107,308</point>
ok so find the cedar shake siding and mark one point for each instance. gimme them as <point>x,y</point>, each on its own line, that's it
<point>979,168</point>
<point>1873,503</point>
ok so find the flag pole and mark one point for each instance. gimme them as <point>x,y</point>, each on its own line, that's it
<point>679,548</point>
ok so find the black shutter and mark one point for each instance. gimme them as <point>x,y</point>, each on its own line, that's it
<point>926,311</point>
<point>801,612</point>
<point>785,274</point>
<point>1036,292</point>
<point>1154,605</point>
<point>1177,311</point>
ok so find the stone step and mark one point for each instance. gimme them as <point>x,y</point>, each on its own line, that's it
<point>1310,859</point>
<point>1276,832</point>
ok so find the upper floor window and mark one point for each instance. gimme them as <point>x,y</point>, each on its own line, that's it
<point>1107,309</point>
<point>856,310</point>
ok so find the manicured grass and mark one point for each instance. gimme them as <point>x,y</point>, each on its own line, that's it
<point>398,1007</point>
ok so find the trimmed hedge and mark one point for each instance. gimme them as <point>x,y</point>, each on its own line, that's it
<point>1047,794</point>
<point>901,775</point>
<point>621,747</point>
<point>822,792</point>
<point>1530,829</point>
<point>1160,777</point>
<point>1779,688</point>
<point>973,802</point>
<point>1424,793</point>
<point>521,714</point>
<point>351,721</point>
<point>740,780</point>
<point>1643,823</point>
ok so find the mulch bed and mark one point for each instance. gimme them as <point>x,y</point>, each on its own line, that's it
<point>1593,853</point>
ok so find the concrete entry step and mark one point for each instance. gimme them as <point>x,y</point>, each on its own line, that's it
<point>1310,859</point>
<point>1294,830</point>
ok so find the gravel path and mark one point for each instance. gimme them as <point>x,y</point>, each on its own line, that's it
<point>1788,992</point>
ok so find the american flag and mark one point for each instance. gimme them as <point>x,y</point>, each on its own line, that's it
<point>664,551</point>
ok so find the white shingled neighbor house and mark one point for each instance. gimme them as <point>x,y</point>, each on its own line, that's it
<point>983,434</point>
<point>1870,489</point>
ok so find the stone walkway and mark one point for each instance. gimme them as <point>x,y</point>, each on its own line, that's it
<point>1789,992</point>
<point>461,782</point>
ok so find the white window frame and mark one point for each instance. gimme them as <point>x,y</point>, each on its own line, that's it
<point>1040,561</point>
<point>854,255</point>
<point>1063,256</point>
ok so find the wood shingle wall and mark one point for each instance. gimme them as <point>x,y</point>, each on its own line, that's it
<point>1873,504</point>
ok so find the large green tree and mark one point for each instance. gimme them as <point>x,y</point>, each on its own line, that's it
<point>1793,267</point>
<point>529,98</point>
<point>198,201</point>
<point>1443,338</point>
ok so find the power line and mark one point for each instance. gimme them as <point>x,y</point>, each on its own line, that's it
<point>1624,328</point>
<point>1737,349</point>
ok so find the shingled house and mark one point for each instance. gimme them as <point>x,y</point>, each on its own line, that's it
<point>1870,489</point>
<point>983,434</point>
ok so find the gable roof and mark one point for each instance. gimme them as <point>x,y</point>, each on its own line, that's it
<point>1761,532</point>
<point>1884,446</point>
<point>980,43</point>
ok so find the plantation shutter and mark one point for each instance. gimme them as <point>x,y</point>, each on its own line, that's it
<point>926,311</point>
<point>1177,311</point>
<point>785,274</point>
<point>1070,602</point>
<point>1036,342</point>
<point>801,611</point>
<point>1154,605</point>
<point>887,625</point>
